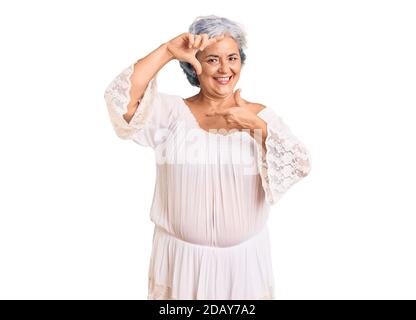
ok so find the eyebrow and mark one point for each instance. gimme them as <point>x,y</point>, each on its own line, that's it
<point>215,56</point>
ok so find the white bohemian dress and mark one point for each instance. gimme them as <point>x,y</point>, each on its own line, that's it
<point>212,195</point>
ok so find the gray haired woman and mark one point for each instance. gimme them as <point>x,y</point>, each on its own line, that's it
<point>221,161</point>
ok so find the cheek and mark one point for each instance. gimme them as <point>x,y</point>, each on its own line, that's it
<point>236,74</point>
<point>207,74</point>
<point>209,70</point>
<point>236,69</point>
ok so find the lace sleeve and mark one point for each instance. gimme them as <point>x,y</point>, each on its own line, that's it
<point>285,160</point>
<point>152,118</point>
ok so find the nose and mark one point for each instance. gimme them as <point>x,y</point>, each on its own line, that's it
<point>224,67</point>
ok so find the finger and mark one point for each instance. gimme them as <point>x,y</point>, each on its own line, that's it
<point>204,42</point>
<point>220,37</point>
<point>197,42</point>
<point>217,113</point>
<point>215,39</point>
<point>197,66</point>
<point>210,41</point>
<point>238,100</point>
<point>210,113</point>
<point>191,40</point>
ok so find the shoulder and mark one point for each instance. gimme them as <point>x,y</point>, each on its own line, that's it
<point>256,107</point>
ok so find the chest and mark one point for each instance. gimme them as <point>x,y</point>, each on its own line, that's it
<point>211,123</point>
<point>208,123</point>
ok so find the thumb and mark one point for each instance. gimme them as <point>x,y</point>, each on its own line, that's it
<point>238,100</point>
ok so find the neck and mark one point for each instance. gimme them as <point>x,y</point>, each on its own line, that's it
<point>214,102</point>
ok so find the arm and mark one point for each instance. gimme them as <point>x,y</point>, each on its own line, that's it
<point>136,109</point>
<point>136,85</point>
<point>144,70</point>
<point>283,159</point>
<point>181,48</point>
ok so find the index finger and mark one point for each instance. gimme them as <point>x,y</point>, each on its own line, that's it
<point>191,40</point>
<point>217,113</point>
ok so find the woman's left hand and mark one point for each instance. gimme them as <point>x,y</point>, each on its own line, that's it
<point>238,117</point>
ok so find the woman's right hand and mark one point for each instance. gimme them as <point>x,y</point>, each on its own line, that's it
<point>185,46</point>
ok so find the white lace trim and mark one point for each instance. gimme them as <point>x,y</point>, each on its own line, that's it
<point>163,292</point>
<point>117,97</point>
<point>285,162</point>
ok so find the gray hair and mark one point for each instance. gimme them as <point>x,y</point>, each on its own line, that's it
<point>214,26</point>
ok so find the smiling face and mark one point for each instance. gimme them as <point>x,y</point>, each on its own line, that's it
<point>220,61</point>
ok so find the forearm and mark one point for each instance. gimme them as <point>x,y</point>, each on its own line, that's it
<point>144,70</point>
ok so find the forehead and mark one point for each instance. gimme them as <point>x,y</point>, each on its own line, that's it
<point>221,48</point>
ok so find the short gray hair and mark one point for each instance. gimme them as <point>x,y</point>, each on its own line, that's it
<point>214,26</point>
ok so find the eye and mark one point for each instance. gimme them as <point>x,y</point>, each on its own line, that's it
<point>214,59</point>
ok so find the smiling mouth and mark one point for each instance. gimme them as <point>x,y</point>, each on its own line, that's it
<point>223,80</point>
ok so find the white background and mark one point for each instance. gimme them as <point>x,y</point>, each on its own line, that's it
<point>75,199</point>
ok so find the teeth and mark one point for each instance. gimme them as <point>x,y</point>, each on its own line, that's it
<point>223,79</point>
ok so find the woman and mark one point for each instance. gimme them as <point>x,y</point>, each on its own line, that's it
<point>209,208</point>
